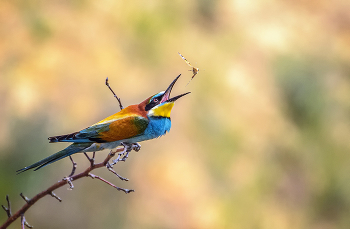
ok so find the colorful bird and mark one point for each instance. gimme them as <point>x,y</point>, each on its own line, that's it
<point>194,70</point>
<point>147,120</point>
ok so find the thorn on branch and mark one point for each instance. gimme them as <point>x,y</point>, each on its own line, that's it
<point>55,196</point>
<point>119,101</point>
<point>24,222</point>
<point>8,208</point>
<point>26,199</point>
<point>109,183</point>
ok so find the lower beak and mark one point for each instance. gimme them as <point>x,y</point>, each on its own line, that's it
<point>177,97</point>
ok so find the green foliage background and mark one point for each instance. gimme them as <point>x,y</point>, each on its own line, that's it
<point>261,142</point>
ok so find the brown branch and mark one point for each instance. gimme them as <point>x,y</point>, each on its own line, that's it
<point>24,222</point>
<point>8,208</point>
<point>26,199</point>
<point>109,183</point>
<point>55,196</point>
<point>109,167</point>
<point>74,166</point>
<point>64,181</point>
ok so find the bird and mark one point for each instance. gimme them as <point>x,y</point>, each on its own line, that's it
<point>148,120</point>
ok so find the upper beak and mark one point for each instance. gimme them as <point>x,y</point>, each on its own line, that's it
<point>166,95</point>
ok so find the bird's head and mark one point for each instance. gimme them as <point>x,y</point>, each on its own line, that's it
<point>160,105</point>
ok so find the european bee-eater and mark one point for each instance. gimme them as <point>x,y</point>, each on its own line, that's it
<point>147,120</point>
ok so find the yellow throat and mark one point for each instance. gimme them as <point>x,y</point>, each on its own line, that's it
<point>162,110</point>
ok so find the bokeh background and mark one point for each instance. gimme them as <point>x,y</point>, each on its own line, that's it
<point>261,142</point>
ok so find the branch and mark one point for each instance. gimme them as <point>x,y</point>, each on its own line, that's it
<point>8,208</point>
<point>109,183</point>
<point>24,222</point>
<point>120,103</point>
<point>64,181</point>
<point>74,166</point>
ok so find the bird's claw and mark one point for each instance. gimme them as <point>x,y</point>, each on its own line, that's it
<point>131,146</point>
<point>136,146</point>
<point>128,147</point>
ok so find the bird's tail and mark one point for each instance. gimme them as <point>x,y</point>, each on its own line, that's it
<point>72,149</point>
<point>64,138</point>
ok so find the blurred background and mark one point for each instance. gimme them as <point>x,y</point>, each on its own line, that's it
<point>261,142</point>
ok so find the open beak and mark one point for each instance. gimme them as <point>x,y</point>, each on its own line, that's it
<point>166,95</point>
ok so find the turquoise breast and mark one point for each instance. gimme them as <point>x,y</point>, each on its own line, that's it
<point>157,127</point>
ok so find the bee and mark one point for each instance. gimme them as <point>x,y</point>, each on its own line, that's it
<point>193,70</point>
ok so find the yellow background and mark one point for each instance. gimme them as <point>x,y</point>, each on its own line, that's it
<point>261,142</point>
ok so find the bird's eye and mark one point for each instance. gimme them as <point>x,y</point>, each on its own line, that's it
<point>155,100</point>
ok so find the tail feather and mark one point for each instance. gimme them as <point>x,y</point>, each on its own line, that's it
<point>72,149</point>
<point>51,161</point>
<point>66,137</point>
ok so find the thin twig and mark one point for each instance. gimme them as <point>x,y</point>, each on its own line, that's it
<point>24,222</point>
<point>55,196</point>
<point>26,199</point>
<point>87,156</point>
<point>8,208</point>
<point>109,183</point>
<point>59,184</point>
<point>115,173</point>
<point>92,160</point>
<point>74,166</point>
<point>27,224</point>
<point>119,101</point>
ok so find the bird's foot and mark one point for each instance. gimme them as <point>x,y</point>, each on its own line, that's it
<point>128,147</point>
<point>115,161</point>
<point>136,147</point>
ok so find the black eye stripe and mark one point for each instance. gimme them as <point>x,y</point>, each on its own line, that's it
<point>153,102</point>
